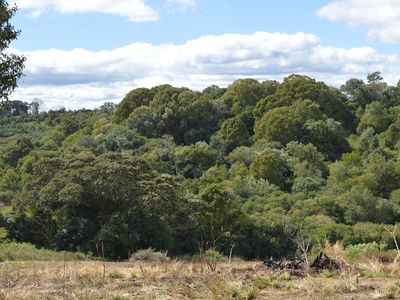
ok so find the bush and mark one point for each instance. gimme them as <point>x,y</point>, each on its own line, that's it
<point>215,255</point>
<point>12,251</point>
<point>115,275</point>
<point>211,258</point>
<point>149,255</point>
<point>355,252</point>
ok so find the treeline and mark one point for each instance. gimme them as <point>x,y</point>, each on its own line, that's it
<point>18,107</point>
<point>258,165</point>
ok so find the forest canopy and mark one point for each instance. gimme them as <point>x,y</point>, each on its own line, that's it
<point>256,165</point>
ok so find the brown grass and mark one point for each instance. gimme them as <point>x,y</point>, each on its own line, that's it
<point>187,280</point>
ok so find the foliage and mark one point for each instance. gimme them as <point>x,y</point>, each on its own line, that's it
<point>354,252</point>
<point>11,251</point>
<point>250,168</point>
<point>11,65</point>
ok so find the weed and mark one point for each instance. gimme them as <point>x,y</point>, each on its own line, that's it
<point>264,282</point>
<point>290,287</point>
<point>326,274</point>
<point>115,275</point>
<point>374,273</point>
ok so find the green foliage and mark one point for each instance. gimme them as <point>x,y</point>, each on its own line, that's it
<point>15,151</point>
<point>185,115</point>
<point>133,100</point>
<point>115,275</point>
<point>285,124</point>
<point>121,138</point>
<point>273,167</point>
<point>232,134</point>
<point>11,65</point>
<point>243,93</point>
<point>219,217</point>
<point>297,87</point>
<point>214,92</point>
<point>103,192</point>
<point>375,116</point>
<point>193,160</point>
<point>253,168</point>
<point>358,251</point>
<point>215,255</point>
<point>3,234</point>
<point>11,251</point>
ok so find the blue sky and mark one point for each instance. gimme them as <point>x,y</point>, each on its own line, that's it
<point>129,43</point>
<point>96,31</point>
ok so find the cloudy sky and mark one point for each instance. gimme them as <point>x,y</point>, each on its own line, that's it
<point>81,53</point>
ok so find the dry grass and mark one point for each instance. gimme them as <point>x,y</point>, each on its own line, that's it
<point>188,280</point>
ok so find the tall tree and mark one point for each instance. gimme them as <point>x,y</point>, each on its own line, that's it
<point>11,65</point>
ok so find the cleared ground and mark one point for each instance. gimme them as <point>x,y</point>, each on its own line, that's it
<point>187,280</point>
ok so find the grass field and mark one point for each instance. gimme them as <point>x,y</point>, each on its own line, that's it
<point>191,280</point>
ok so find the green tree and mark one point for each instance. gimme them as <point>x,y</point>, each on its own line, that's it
<point>95,190</point>
<point>11,65</point>
<point>296,87</point>
<point>232,134</point>
<point>243,93</point>
<point>11,154</point>
<point>219,217</point>
<point>375,78</point>
<point>352,87</point>
<point>375,116</point>
<point>133,100</point>
<point>214,91</point>
<point>185,115</point>
<point>286,123</point>
<point>273,167</point>
<point>191,161</point>
<point>306,160</point>
<point>122,138</point>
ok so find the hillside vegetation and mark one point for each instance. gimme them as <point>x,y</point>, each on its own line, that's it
<point>258,169</point>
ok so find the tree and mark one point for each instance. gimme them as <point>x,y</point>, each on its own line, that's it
<point>233,133</point>
<point>296,87</point>
<point>214,91</point>
<point>133,100</point>
<point>11,65</point>
<point>191,161</point>
<point>219,216</point>
<point>109,195</point>
<point>352,86</point>
<point>15,108</point>
<point>273,167</point>
<point>15,151</point>
<point>375,116</point>
<point>34,107</point>
<point>186,115</point>
<point>286,123</point>
<point>374,78</point>
<point>122,138</point>
<point>243,93</point>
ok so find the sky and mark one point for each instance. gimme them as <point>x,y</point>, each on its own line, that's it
<point>82,53</point>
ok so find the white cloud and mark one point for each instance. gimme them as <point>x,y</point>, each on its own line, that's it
<point>382,18</point>
<point>135,10</point>
<point>81,78</point>
<point>183,5</point>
